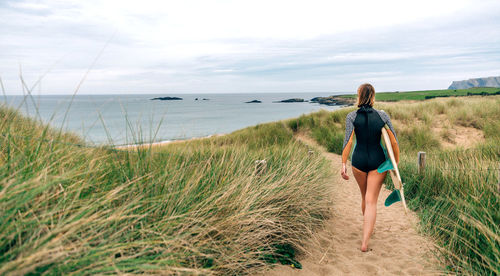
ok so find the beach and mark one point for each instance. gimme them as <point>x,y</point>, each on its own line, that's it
<point>205,206</point>
<point>118,120</point>
<point>208,138</point>
<point>163,143</point>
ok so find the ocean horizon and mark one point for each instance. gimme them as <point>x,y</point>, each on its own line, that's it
<point>116,119</point>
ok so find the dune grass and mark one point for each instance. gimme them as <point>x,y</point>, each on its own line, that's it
<point>192,208</point>
<point>457,196</point>
<point>200,208</point>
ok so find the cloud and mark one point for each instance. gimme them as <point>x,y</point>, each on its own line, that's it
<point>257,46</point>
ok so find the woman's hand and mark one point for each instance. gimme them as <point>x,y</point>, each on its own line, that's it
<point>343,172</point>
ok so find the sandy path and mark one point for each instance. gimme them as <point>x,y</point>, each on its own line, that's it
<point>396,247</point>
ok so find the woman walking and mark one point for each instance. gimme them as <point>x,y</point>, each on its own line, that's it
<point>366,125</point>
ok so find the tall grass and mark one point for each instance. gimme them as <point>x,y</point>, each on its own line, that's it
<point>457,196</point>
<point>196,207</point>
<point>458,202</point>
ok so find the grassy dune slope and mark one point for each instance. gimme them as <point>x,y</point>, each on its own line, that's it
<point>457,196</point>
<point>196,207</point>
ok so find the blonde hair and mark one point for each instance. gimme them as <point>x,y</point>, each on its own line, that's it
<point>366,95</point>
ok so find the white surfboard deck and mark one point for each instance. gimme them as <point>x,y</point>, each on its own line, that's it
<point>395,176</point>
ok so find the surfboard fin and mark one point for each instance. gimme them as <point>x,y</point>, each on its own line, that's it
<point>386,166</point>
<point>395,196</point>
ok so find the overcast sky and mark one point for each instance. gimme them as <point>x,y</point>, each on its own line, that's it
<point>224,46</point>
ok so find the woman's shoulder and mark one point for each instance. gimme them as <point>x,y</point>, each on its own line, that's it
<point>351,116</point>
<point>383,115</point>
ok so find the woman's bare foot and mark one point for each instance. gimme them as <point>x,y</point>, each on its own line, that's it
<point>364,248</point>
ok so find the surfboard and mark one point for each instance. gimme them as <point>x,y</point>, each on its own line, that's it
<point>394,172</point>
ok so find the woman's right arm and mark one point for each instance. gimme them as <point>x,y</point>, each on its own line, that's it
<point>392,137</point>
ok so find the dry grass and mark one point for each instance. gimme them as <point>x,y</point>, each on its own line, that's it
<point>192,208</point>
<point>199,208</point>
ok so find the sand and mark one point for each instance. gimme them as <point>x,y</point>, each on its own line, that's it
<point>396,247</point>
<point>163,143</point>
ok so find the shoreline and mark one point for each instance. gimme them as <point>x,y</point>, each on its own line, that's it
<point>166,142</point>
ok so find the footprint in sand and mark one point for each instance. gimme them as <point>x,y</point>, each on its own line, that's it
<point>373,258</point>
<point>367,268</point>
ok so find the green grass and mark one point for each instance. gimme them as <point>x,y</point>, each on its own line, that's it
<point>457,196</point>
<point>191,208</point>
<point>430,94</point>
<point>199,208</point>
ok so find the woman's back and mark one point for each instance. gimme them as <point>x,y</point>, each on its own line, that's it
<point>367,126</point>
<point>367,123</point>
<point>368,154</point>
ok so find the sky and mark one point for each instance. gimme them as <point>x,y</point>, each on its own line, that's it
<point>188,46</point>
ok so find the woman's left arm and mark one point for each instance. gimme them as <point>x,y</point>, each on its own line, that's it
<point>349,134</point>
<point>346,147</point>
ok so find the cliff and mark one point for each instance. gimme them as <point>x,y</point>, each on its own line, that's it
<point>479,82</point>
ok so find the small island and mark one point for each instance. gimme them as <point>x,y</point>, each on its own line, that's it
<point>294,100</point>
<point>254,101</point>
<point>332,100</point>
<point>166,98</point>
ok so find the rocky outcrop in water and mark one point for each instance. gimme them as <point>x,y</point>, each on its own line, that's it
<point>294,100</point>
<point>254,101</point>
<point>166,98</point>
<point>479,82</point>
<point>333,100</point>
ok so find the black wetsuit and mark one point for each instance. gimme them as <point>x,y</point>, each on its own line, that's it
<point>367,124</point>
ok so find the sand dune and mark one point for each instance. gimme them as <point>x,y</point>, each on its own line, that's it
<point>396,248</point>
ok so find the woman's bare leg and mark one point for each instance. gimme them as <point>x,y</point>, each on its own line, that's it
<point>360,177</point>
<point>373,185</point>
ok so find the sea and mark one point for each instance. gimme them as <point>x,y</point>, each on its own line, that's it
<point>131,119</point>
